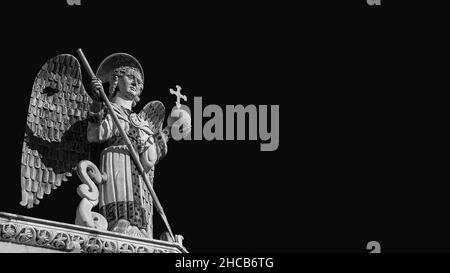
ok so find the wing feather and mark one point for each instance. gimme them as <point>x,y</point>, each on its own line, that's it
<point>154,113</point>
<point>54,139</point>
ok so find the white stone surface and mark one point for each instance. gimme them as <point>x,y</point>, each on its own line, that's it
<point>17,248</point>
<point>26,234</point>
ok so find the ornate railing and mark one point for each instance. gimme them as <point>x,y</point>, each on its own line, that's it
<point>29,231</point>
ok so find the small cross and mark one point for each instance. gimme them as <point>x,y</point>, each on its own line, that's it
<point>179,95</point>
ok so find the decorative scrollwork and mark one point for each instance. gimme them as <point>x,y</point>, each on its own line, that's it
<point>93,245</point>
<point>61,240</point>
<point>26,235</point>
<point>109,247</point>
<point>73,240</point>
<point>43,237</point>
<point>80,240</point>
<point>143,249</point>
<point>9,231</point>
<point>126,248</point>
<point>161,251</point>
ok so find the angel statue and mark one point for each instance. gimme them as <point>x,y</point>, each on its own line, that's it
<point>64,119</point>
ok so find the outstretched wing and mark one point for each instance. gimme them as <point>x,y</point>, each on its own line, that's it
<point>154,112</point>
<point>55,134</point>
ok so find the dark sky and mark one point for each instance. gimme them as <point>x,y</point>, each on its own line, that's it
<point>363,151</point>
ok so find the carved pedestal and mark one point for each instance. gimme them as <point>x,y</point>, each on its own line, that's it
<point>26,234</point>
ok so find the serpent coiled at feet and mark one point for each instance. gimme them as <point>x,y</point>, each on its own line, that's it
<point>89,175</point>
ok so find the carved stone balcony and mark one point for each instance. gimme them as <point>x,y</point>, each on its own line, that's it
<point>27,234</point>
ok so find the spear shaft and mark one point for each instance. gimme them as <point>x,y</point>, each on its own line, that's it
<point>131,149</point>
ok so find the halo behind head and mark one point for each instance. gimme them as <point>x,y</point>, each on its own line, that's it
<point>116,60</point>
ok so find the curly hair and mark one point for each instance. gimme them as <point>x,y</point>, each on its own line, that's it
<point>120,72</point>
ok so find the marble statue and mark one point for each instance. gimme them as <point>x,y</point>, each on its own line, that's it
<point>65,119</point>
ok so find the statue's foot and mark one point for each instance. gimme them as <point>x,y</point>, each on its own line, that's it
<point>123,226</point>
<point>135,232</point>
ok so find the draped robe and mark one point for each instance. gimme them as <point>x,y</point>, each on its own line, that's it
<point>124,195</point>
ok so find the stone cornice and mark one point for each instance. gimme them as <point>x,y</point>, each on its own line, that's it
<point>65,237</point>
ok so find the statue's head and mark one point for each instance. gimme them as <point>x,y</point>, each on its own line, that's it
<point>124,74</point>
<point>127,83</point>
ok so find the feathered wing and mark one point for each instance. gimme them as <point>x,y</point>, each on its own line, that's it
<point>55,135</point>
<point>154,112</point>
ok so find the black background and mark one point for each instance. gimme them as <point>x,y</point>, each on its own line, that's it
<point>363,152</point>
